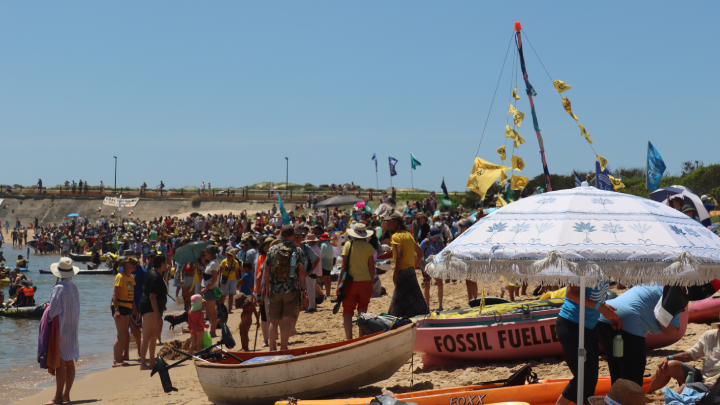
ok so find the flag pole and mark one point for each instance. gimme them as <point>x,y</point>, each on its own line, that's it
<point>647,179</point>
<point>377,183</point>
<point>412,183</point>
<point>530,94</point>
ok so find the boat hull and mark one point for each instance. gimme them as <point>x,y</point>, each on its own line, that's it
<point>703,311</point>
<point>457,341</point>
<point>35,312</point>
<point>546,392</point>
<point>312,375</point>
<point>86,272</point>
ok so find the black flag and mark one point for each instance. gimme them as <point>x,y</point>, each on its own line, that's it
<point>444,189</point>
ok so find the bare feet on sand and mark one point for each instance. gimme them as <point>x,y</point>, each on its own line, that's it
<point>123,364</point>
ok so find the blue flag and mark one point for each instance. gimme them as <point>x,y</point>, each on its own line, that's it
<point>601,178</point>
<point>393,162</point>
<point>375,159</point>
<point>283,213</point>
<point>655,168</point>
<point>578,180</point>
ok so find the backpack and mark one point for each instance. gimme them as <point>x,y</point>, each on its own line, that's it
<point>283,262</point>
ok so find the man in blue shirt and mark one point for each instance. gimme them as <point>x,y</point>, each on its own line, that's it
<point>636,310</point>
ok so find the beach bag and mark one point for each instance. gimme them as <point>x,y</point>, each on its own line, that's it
<point>207,340</point>
<point>282,264</point>
<point>712,396</point>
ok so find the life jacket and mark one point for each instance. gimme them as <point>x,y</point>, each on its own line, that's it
<point>28,296</point>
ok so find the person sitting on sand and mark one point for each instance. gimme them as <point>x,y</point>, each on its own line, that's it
<point>677,367</point>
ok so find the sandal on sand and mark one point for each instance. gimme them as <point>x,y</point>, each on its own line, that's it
<point>123,364</point>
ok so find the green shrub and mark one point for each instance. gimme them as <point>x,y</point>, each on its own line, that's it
<point>195,201</point>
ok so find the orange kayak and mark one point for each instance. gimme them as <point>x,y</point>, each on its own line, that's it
<point>546,392</point>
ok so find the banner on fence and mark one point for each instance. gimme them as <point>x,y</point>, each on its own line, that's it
<point>126,202</point>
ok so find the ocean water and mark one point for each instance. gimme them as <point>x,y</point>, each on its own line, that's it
<point>20,374</point>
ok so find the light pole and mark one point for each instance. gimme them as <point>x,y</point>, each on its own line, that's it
<point>287,170</point>
<point>115,173</point>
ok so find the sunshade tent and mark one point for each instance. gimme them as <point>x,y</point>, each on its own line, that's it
<point>581,235</point>
<point>338,201</point>
<point>189,253</point>
<point>663,194</point>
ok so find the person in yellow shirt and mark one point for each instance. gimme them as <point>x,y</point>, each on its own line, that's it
<point>123,305</point>
<point>229,276</point>
<point>359,262</point>
<point>407,300</point>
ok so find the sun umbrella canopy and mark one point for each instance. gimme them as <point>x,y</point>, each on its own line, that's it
<point>662,195</point>
<point>189,253</point>
<point>74,215</point>
<point>338,201</point>
<point>361,204</point>
<point>588,232</point>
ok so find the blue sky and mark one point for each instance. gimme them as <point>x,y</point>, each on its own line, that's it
<point>223,91</point>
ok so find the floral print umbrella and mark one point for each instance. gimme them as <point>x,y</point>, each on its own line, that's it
<point>583,232</point>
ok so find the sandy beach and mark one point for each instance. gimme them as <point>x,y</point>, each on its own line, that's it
<point>129,385</point>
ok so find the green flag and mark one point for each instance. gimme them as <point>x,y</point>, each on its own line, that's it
<point>415,163</point>
<point>446,202</point>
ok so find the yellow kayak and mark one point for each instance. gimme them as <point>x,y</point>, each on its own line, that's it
<point>4,282</point>
<point>498,309</point>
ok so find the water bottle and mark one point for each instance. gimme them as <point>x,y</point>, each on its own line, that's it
<point>618,346</point>
<point>293,264</point>
<point>690,378</point>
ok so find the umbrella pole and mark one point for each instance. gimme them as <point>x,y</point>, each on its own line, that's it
<point>581,345</point>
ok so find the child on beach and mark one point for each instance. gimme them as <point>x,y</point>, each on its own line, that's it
<point>196,322</point>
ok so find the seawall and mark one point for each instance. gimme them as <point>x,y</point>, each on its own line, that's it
<point>50,210</point>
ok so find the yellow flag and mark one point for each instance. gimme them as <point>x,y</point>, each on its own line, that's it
<point>503,177</point>
<point>518,117</point>
<point>511,133</point>
<point>603,162</point>
<point>584,133</point>
<point>517,163</point>
<point>568,107</point>
<point>515,95</point>
<point>560,86</point>
<point>483,175</point>
<point>518,182</point>
<point>500,202</point>
<point>617,184</point>
<point>501,151</point>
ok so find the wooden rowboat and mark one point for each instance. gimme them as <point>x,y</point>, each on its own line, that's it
<point>312,371</point>
<point>546,392</point>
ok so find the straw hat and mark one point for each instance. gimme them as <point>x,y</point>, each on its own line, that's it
<point>360,231</point>
<point>64,268</point>
<point>311,238</point>
<point>624,392</point>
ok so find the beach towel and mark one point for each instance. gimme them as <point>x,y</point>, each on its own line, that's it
<point>407,300</point>
<point>53,355</point>
<point>43,339</point>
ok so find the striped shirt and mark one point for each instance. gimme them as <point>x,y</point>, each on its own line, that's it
<point>65,304</point>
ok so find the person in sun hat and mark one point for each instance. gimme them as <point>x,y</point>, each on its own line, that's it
<point>65,310</point>
<point>196,324</point>
<point>229,276</point>
<point>122,306</point>
<point>314,269</point>
<point>622,392</point>
<point>690,211</point>
<point>431,246</point>
<point>359,262</point>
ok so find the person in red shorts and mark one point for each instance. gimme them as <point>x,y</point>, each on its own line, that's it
<point>359,261</point>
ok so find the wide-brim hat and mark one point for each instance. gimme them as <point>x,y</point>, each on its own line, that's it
<point>277,215</point>
<point>310,238</point>
<point>624,392</point>
<point>360,231</point>
<point>64,268</point>
<point>688,208</point>
<point>434,232</point>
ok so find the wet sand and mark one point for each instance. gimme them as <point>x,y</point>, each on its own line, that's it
<point>129,385</point>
